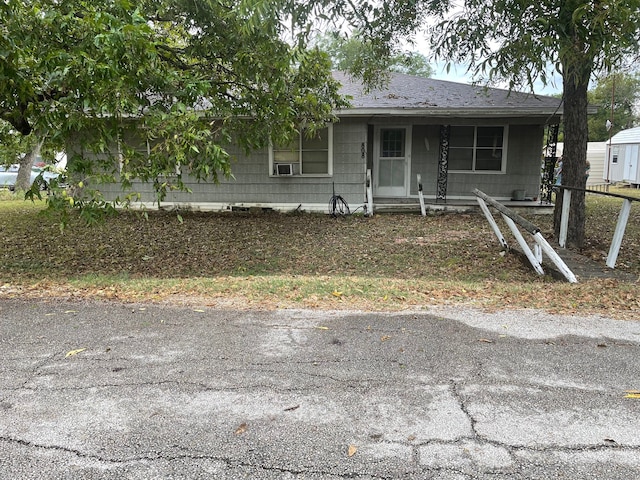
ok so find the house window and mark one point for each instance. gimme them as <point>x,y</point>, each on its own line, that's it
<point>132,153</point>
<point>306,155</point>
<point>138,152</point>
<point>615,152</point>
<point>477,149</point>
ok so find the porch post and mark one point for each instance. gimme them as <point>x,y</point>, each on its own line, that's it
<point>423,208</point>
<point>550,159</point>
<point>369,195</point>
<point>443,163</point>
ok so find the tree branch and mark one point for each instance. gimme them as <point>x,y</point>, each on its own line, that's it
<point>18,119</point>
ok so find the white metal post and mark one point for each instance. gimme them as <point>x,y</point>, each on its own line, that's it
<point>623,218</point>
<point>564,220</point>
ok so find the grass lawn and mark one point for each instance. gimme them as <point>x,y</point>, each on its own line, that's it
<point>388,262</point>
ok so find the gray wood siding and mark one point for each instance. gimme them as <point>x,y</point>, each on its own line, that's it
<point>252,183</point>
<point>425,143</point>
<point>524,158</point>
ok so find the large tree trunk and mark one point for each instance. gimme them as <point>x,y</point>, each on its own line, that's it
<point>574,156</point>
<point>23,180</point>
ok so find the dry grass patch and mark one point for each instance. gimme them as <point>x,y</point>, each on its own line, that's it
<point>388,262</point>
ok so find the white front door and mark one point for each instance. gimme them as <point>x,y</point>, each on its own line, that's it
<point>392,147</point>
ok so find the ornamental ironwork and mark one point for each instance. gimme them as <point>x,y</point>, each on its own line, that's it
<point>549,164</point>
<point>443,163</point>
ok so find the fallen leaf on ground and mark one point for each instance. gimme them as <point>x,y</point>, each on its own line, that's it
<point>336,293</point>
<point>352,450</point>
<point>384,338</point>
<point>74,352</point>
<point>291,409</point>
<point>198,310</point>
<point>485,340</point>
<point>241,429</point>
<point>322,328</point>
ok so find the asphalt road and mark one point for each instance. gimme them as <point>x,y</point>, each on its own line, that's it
<point>113,391</point>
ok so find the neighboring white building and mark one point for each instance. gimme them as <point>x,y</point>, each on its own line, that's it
<point>622,156</point>
<point>596,154</point>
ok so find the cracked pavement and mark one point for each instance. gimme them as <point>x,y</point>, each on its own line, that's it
<point>165,391</point>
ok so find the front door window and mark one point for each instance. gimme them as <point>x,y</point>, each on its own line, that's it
<point>392,161</point>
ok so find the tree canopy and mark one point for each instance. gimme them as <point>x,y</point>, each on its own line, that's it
<point>88,71</point>
<point>616,96</point>
<point>353,53</point>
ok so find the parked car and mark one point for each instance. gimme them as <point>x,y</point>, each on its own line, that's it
<point>8,175</point>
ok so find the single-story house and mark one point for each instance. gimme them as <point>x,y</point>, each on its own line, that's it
<point>622,157</point>
<point>458,137</point>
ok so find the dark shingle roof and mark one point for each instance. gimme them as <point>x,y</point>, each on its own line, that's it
<point>410,95</point>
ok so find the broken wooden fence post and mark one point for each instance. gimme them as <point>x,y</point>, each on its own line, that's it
<point>369,193</point>
<point>511,218</point>
<point>623,218</point>
<point>564,219</point>
<point>537,251</point>
<point>523,245</point>
<point>555,258</point>
<point>492,222</point>
<point>423,209</point>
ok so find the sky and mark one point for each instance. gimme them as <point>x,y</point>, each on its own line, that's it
<point>458,74</point>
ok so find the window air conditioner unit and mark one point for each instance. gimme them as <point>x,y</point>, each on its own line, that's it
<point>284,169</point>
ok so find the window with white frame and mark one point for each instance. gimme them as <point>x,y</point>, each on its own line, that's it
<point>307,155</point>
<point>134,151</point>
<point>477,148</point>
<point>615,153</point>
<point>139,152</point>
